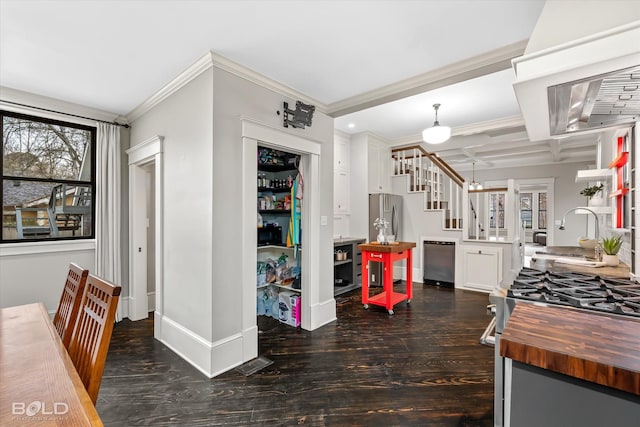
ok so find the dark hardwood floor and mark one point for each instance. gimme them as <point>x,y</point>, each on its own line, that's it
<point>423,366</point>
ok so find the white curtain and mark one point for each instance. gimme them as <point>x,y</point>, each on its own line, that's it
<point>108,206</point>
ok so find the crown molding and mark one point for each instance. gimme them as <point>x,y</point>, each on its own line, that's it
<point>341,133</point>
<point>212,59</point>
<point>406,140</point>
<point>480,65</point>
<point>371,134</point>
<point>194,70</point>
<point>490,125</point>
<point>32,102</point>
<point>241,71</point>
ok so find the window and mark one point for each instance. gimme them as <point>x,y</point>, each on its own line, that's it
<point>48,179</point>
<point>526,210</point>
<point>542,211</point>
<point>496,210</point>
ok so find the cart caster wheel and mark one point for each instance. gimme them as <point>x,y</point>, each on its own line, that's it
<point>391,312</point>
<point>366,306</point>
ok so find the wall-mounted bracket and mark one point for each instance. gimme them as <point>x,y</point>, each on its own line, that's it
<point>300,117</point>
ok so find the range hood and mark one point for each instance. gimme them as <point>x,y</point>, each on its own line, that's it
<point>581,86</point>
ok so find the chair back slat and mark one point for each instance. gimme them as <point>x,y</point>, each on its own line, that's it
<point>92,333</point>
<point>65,318</point>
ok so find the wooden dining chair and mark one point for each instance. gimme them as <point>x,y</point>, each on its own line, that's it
<point>92,333</point>
<point>65,318</point>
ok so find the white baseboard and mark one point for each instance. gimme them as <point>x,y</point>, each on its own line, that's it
<point>210,358</point>
<point>321,314</point>
<point>124,307</point>
<point>124,304</point>
<point>188,345</point>
<point>250,343</point>
<point>151,301</point>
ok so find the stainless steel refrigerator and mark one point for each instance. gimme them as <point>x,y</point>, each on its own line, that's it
<point>388,207</point>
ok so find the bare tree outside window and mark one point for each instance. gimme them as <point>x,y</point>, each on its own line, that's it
<point>47,178</point>
<point>42,150</point>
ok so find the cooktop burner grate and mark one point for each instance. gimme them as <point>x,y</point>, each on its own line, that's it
<point>616,296</point>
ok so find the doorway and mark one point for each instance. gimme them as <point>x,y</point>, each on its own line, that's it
<point>145,231</point>
<point>312,310</point>
<point>535,206</point>
<point>279,237</point>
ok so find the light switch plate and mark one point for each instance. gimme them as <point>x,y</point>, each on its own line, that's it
<point>323,220</point>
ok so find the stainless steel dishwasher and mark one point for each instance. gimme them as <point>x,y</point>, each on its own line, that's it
<point>439,264</point>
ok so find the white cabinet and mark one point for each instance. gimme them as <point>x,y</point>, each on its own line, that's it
<point>341,174</point>
<point>482,267</point>
<point>379,167</point>
<point>341,184</point>
<point>341,157</point>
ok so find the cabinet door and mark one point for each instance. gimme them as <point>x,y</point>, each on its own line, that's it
<point>341,192</point>
<point>379,169</point>
<point>482,267</point>
<point>341,156</point>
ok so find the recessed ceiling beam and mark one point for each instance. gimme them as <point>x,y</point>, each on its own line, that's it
<point>477,66</point>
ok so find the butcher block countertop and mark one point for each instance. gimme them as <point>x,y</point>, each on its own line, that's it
<point>591,346</point>
<point>542,264</point>
<point>391,247</point>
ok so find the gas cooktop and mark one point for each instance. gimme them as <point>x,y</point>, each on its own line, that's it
<point>615,296</point>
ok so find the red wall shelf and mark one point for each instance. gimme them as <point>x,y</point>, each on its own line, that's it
<point>618,193</point>
<point>620,160</point>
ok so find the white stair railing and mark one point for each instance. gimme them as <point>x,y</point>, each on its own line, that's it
<point>430,175</point>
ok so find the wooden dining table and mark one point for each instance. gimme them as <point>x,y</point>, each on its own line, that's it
<point>39,385</point>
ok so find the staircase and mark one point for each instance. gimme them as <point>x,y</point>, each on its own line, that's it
<point>491,213</point>
<point>441,185</point>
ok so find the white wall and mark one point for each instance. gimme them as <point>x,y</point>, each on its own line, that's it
<point>185,121</point>
<point>36,272</point>
<point>235,99</point>
<point>203,191</point>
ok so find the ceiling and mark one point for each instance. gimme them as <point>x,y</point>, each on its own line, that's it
<point>379,65</point>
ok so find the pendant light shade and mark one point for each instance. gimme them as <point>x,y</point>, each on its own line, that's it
<point>473,185</point>
<point>436,134</point>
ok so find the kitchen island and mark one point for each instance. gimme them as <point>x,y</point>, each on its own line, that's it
<point>571,367</point>
<point>544,260</point>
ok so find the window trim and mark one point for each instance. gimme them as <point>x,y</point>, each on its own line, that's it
<point>93,141</point>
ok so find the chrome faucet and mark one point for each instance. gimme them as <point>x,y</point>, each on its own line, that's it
<point>564,217</point>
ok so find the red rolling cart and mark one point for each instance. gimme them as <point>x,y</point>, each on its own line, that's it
<point>387,255</point>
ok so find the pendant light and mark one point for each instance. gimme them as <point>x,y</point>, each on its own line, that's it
<point>473,185</point>
<point>436,134</point>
